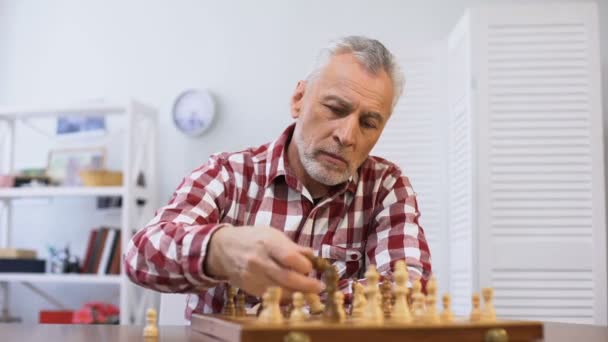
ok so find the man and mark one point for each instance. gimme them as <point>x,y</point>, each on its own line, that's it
<point>249,218</point>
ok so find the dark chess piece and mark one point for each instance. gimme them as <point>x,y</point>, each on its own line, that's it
<point>229,307</point>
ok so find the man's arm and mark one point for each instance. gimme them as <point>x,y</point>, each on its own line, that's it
<point>395,233</point>
<point>167,254</point>
<point>185,248</point>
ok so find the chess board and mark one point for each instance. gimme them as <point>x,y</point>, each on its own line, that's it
<point>247,329</point>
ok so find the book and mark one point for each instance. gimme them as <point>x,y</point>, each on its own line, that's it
<point>22,265</point>
<point>17,253</point>
<point>86,262</point>
<point>115,254</point>
<point>106,251</point>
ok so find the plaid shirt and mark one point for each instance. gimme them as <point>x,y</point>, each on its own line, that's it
<point>370,219</point>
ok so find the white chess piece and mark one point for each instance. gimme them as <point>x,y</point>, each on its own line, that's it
<point>401,310</point>
<point>446,315</point>
<point>271,311</point>
<point>151,329</point>
<point>488,314</point>
<point>339,299</point>
<point>431,316</point>
<point>359,301</point>
<point>475,311</point>
<point>298,314</point>
<point>417,302</point>
<point>373,309</point>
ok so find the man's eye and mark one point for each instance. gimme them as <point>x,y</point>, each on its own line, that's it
<point>335,110</point>
<point>369,124</point>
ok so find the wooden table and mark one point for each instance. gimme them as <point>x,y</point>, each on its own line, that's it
<point>554,332</point>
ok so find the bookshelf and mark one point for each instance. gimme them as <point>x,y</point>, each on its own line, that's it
<point>138,149</point>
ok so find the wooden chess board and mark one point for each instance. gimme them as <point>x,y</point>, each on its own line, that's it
<point>247,329</point>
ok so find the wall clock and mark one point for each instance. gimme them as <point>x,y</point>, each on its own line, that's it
<point>193,112</point>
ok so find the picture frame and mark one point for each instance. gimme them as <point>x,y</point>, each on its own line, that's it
<point>64,165</point>
<point>81,125</point>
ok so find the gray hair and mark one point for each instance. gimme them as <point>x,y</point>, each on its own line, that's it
<point>372,55</point>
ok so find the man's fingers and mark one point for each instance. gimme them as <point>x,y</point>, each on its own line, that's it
<point>290,255</point>
<point>291,280</point>
<point>256,284</point>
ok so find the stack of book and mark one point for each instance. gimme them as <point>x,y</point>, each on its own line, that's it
<point>103,253</point>
<point>20,260</point>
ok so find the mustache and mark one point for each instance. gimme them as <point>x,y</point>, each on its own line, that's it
<point>335,150</point>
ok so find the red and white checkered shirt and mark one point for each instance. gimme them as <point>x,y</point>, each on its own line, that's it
<point>370,219</point>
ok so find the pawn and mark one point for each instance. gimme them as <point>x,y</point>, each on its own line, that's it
<point>401,310</point>
<point>339,300</point>
<point>431,315</point>
<point>297,314</point>
<point>271,311</point>
<point>229,307</point>
<point>359,301</point>
<point>151,330</point>
<point>446,315</point>
<point>373,311</point>
<point>431,287</point>
<point>313,300</point>
<point>417,302</point>
<point>240,304</point>
<point>386,290</point>
<point>475,312</point>
<point>488,313</point>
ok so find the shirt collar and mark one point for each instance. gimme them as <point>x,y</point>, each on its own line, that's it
<point>278,166</point>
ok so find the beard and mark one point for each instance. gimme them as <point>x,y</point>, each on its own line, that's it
<point>317,170</point>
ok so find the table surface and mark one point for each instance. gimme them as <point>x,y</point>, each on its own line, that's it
<point>554,332</point>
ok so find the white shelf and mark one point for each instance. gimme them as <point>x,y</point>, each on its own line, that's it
<point>22,112</point>
<point>61,191</point>
<point>60,278</point>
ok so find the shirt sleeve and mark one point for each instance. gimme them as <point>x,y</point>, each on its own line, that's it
<point>394,233</point>
<point>168,254</point>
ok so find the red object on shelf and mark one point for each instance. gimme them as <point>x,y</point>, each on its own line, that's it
<point>56,317</point>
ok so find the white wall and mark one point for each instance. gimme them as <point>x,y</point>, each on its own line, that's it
<point>250,54</point>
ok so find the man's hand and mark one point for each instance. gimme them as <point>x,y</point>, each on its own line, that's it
<point>254,258</point>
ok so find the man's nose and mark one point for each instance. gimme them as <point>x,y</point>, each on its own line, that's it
<point>346,132</point>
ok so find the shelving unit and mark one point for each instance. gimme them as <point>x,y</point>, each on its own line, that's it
<point>138,158</point>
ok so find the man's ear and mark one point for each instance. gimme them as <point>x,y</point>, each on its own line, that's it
<point>297,99</point>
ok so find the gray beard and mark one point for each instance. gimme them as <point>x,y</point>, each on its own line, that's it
<point>314,168</point>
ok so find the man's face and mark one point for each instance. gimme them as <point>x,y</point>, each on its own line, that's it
<point>340,117</point>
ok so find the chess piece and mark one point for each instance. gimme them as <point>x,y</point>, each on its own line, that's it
<point>271,311</point>
<point>151,329</point>
<point>314,302</point>
<point>339,300</point>
<point>359,301</point>
<point>240,304</point>
<point>331,312</point>
<point>431,316</point>
<point>417,302</point>
<point>431,287</point>
<point>373,312</point>
<point>297,314</point>
<point>401,310</point>
<point>446,315</point>
<point>488,313</point>
<point>386,289</point>
<point>229,307</point>
<point>475,312</point>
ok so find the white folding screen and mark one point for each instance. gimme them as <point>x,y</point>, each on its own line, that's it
<point>540,213</point>
<point>414,139</point>
<point>460,156</point>
<point>500,132</point>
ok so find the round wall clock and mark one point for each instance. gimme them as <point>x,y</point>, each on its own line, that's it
<point>193,112</point>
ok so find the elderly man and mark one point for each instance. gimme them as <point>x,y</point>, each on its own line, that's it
<point>249,218</point>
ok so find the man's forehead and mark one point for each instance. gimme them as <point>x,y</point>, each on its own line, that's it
<point>346,94</point>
